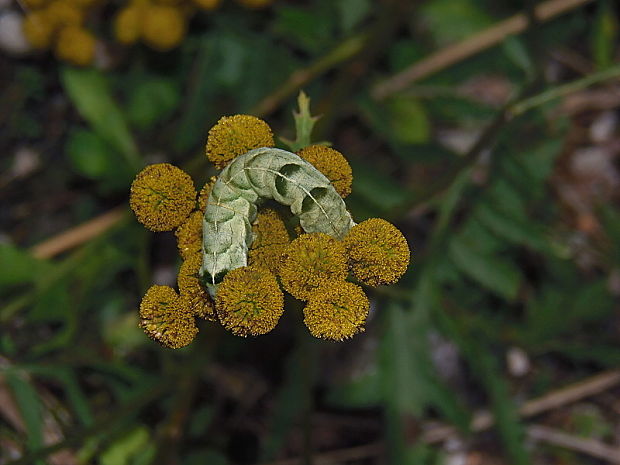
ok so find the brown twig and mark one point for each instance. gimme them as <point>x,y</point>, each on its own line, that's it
<point>78,234</point>
<point>483,420</point>
<point>587,446</point>
<point>468,47</point>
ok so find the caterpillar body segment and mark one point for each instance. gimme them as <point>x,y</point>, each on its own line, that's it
<point>264,173</point>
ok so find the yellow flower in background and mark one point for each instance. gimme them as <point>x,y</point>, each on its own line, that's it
<point>162,196</point>
<point>311,261</point>
<point>198,298</point>
<point>163,27</point>
<point>249,301</point>
<point>270,240</point>
<point>189,235</point>
<point>128,24</point>
<point>235,135</point>
<point>61,13</point>
<point>332,164</point>
<point>336,311</point>
<point>75,45</point>
<point>38,29</point>
<point>207,5</point>
<point>165,317</point>
<point>377,251</point>
<point>255,3</point>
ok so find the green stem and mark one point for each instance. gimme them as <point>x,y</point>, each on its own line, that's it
<point>560,91</point>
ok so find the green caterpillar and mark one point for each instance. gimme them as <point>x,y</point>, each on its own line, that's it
<point>264,173</point>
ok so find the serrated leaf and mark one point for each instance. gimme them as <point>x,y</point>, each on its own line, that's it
<point>499,275</point>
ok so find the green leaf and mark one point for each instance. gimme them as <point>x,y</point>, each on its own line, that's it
<point>152,102</point>
<point>453,20</point>
<point>352,12</point>
<point>18,266</point>
<point>30,407</point>
<point>605,34</point>
<point>90,92</point>
<point>304,124</point>
<point>90,155</point>
<point>408,120</point>
<point>498,274</point>
<point>130,449</point>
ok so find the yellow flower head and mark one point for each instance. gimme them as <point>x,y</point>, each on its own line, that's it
<point>255,3</point>
<point>310,261</point>
<point>62,13</point>
<point>270,240</point>
<point>75,45</point>
<point>249,301</point>
<point>336,311</point>
<point>162,196</point>
<point>128,24</point>
<point>163,27</point>
<point>33,4</point>
<point>235,135</point>
<point>164,316</point>
<point>198,298</point>
<point>38,29</point>
<point>189,235</point>
<point>207,5</point>
<point>332,164</point>
<point>203,196</point>
<point>377,251</point>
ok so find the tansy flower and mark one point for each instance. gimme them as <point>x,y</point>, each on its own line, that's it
<point>61,13</point>
<point>189,235</point>
<point>377,251</point>
<point>207,5</point>
<point>203,196</point>
<point>249,301</point>
<point>165,317</point>
<point>38,29</point>
<point>162,196</point>
<point>163,27</point>
<point>270,240</point>
<point>75,45</point>
<point>332,164</point>
<point>255,3</point>
<point>235,135</point>
<point>336,311</point>
<point>128,23</point>
<point>310,261</point>
<point>199,300</point>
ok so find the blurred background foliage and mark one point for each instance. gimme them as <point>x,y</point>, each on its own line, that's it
<point>500,165</point>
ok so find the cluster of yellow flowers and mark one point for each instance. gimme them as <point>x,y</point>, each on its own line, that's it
<point>160,24</point>
<point>59,24</point>
<point>313,267</point>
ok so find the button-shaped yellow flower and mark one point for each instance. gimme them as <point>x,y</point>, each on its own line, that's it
<point>165,317</point>
<point>336,311</point>
<point>377,251</point>
<point>311,261</point>
<point>249,301</point>
<point>128,23</point>
<point>38,29</point>
<point>332,164</point>
<point>270,240</point>
<point>75,45</point>
<point>198,298</point>
<point>162,196</point>
<point>189,235</point>
<point>163,27</point>
<point>235,135</point>
<point>203,196</point>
